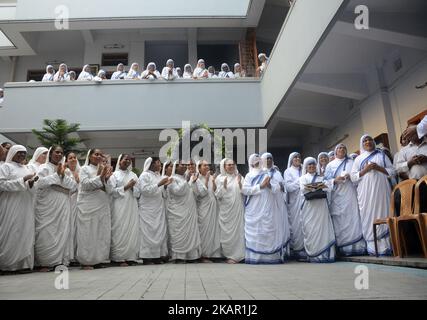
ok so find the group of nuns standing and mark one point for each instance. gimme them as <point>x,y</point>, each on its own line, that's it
<point>53,212</point>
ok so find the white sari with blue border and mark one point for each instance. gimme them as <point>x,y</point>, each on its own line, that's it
<point>373,195</point>
<point>319,237</point>
<point>345,210</point>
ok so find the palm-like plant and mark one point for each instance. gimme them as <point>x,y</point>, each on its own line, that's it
<point>57,132</point>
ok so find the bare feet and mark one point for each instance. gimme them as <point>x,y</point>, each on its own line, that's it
<point>44,269</point>
<point>124,264</point>
<point>205,260</point>
<point>231,261</point>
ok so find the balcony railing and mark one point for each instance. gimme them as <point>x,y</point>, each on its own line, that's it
<point>132,105</point>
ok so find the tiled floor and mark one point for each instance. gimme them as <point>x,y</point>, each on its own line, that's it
<point>222,281</point>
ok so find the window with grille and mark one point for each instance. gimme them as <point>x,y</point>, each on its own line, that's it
<point>113,59</point>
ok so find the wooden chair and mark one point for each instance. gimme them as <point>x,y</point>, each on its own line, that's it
<point>406,195</point>
<point>420,219</point>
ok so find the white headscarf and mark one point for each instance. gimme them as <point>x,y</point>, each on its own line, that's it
<point>178,68</point>
<point>252,161</point>
<point>47,69</point>
<point>362,149</point>
<point>48,156</point>
<point>340,145</point>
<point>262,55</point>
<point>318,159</point>
<point>39,151</point>
<point>13,151</point>
<point>174,167</point>
<point>147,164</point>
<point>164,167</point>
<point>84,75</point>
<point>264,158</point>
<point>87,157</point>
<point>291,158</point>
<point>188,74</point>
<point>225,74</point>
<point>307,161</point>
<point>222,167</point>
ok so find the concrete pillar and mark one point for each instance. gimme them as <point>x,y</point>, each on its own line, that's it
<point>386,105</point>
<point>192,47</point>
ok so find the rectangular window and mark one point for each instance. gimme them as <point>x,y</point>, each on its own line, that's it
<point>113,59</point>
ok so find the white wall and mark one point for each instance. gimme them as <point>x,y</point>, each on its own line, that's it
<point>406,102</point>
<point>132,8</point>
<point>303,28</point>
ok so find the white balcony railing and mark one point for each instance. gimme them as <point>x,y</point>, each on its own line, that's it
<point>132,105</point>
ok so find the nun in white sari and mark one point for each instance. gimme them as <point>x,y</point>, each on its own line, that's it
<point>73,171</point>
<point>16,212</point>
<point>169,72</point>
<point>280,197</point>
<point>319,237</point>
<point>182,217</point>
<point>151,72</point>
<point>62,74</point>
<point>263,222</point>
<point>53,212</point>
<point>231,212</point>
<point>188,72</point>
<point>85,74</point>
<point>322,162</point>
<point>124,212</point>
<point>200,72</point>
<point>48,76</point>
<point>343,204</point>
<point>204,188</point>
<point>120,73</point>
<point>370,171</point>
<point>294,201</point>
<point>134,73</point>
<point>94,215</point>
<point>152,212</point>
<point>225,72</point>
<point>39,158</point>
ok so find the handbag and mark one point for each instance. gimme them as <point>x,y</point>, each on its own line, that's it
<point>317,194</point>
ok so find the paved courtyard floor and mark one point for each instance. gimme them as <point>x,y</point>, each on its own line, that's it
<point>220,281</point>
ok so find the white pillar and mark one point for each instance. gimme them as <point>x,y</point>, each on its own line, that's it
<point>137,54</point>
<point>388,113</point>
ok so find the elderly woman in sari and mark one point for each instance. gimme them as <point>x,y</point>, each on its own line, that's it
<point>319,237</point>
<point>120,73</point>
<point>231,212</point>
<point>343,204</point>
<point>62,74</point>
<point>124,213</point>
<point>169,72</point>
<point>72,76</point>
<point>94,215</point>
<point>225,72</point>
<point>370,171</point>
<point>151,73</point>
<point>53,212</point>
<point>39,158</point>
<point>179,72</point>
<point>48,76</point>
<point>291,178</point>
<point>200,71</point>
<point>134,73</point>
<point>16,230</point>
<point>263,222</point>
<point>86,74</point>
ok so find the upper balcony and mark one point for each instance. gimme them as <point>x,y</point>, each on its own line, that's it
<point>133,104</point>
